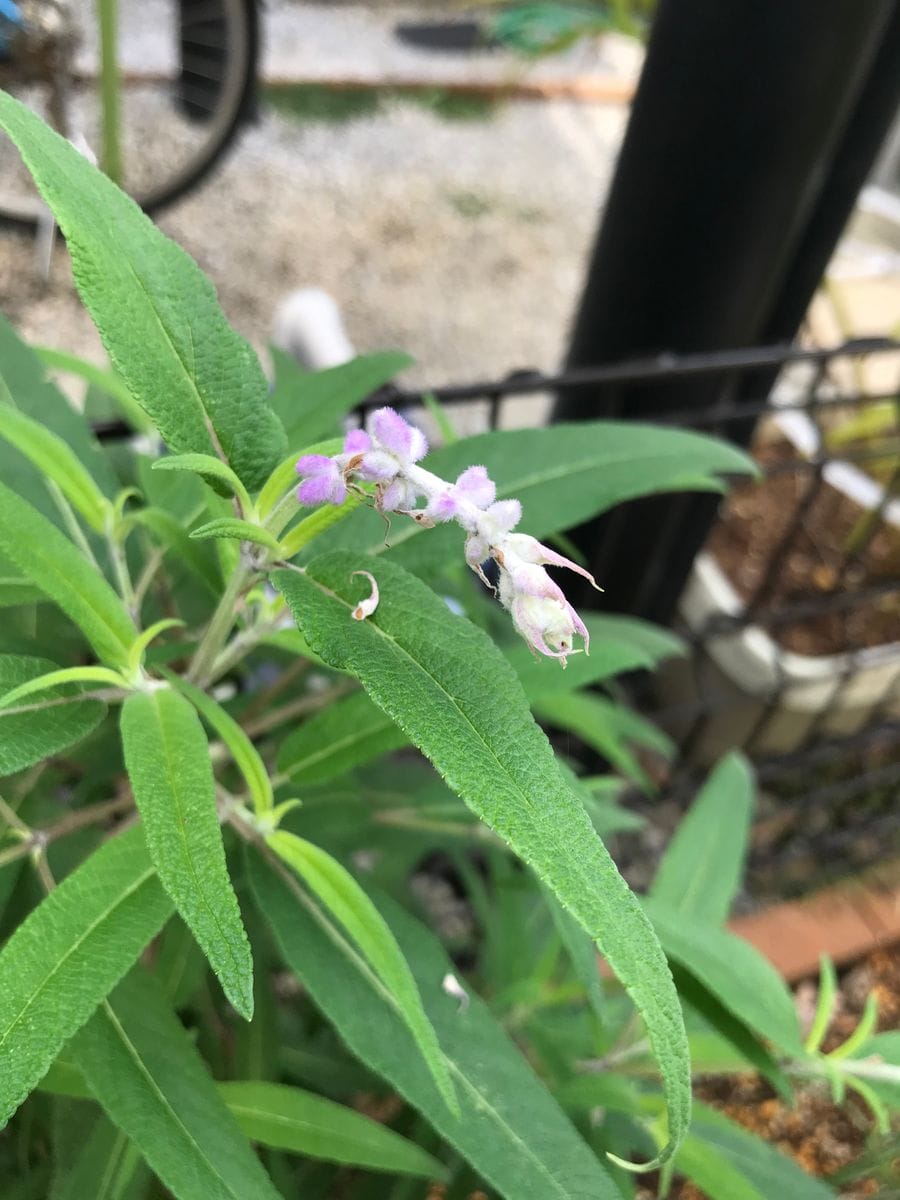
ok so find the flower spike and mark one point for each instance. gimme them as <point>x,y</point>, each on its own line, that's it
<point>388,456</point>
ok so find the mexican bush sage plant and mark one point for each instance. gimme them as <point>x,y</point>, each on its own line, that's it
<point>207,841</point>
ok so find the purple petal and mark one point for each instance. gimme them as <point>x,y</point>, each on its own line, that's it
<point>392,432</point>
<point>357,441</point>
<point>338,491</point>
<point>319,488</point>
<point>476,486</point>
<point>316,464</point>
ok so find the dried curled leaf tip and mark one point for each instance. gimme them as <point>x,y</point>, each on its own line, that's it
<point>366,607</point>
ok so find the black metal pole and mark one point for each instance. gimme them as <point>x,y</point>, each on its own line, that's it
<point>752,129</point>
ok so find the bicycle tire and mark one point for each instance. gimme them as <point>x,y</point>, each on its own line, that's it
<point>237,108</point>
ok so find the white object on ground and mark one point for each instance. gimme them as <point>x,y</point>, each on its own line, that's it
<point>307,325</point>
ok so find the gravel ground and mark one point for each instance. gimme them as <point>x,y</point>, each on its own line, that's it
<point>461,241</point>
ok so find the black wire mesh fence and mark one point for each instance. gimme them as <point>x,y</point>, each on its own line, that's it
<point>791,611</point>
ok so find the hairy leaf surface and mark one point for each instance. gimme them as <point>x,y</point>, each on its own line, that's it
<point>67,955</point>
<point>28,736</point>
<point>246,757</point>
<point>143,1067</point>
<point>49,559</point>
<point>167,758</point>
<point>451,690</point>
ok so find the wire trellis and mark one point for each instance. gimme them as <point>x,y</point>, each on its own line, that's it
<point>797,662</point>
<point>800,666</point>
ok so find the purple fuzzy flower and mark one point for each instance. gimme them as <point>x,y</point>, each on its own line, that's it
<point>323,480</point>
<point>357,441</point>
<point>397,436</point>
<point>476,486</point>
<point>388,458</point>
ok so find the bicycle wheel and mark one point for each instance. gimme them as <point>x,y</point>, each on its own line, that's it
<point>187,74</point>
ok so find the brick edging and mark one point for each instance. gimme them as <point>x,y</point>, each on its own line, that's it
<point>845,921</point>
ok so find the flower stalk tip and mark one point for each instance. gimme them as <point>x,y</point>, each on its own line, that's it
<point>388,457</point>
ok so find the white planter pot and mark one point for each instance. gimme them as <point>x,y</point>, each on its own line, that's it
<point>744,674</point>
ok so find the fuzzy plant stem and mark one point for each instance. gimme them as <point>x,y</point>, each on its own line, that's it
<point>219,627</point>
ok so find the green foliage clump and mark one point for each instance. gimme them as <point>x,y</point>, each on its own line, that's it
<point>207,838</point>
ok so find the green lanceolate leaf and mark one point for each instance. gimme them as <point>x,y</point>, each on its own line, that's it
<point>237,531</point>
<point>67,955</point>
<point>702,868</point>
<point>25,387</point>
<point>101,378</point>
<point>212,469</point>
<point>168,530</point>
<point>562,475</point>
<point>14,591</point>
<point>717,1175</point>
<point>452,692</point>
<point>50,560</point>
<point>287,1118</point>
<point>312,403</point>
<point>143,1068</point>
<point>511,1130</point>
<point>344,898</point>
<point>167,758</point>
<point>244,753</point>
<point>271,1114</point>
<point>734,971</point>
<point>54,680</point>
<point>107,1167</point>
<point>156,312</point>
<point>348,733</point>
<point>28,736</point>
<point>724,1036</point>
<point>55,459</point>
